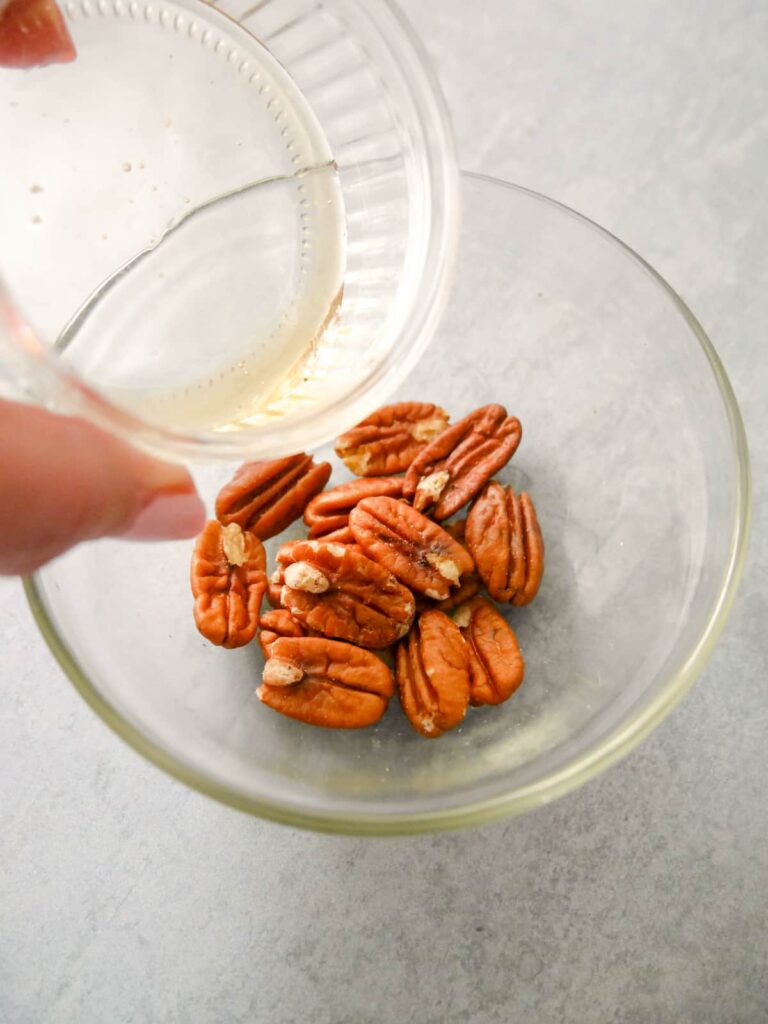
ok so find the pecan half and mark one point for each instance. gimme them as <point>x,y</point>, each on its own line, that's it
<point>266,497</point>
<point>329,512</point>
<point>451,469</point>
<point>414,549</point>
<point>325,682</point>
<point>341,593</point>
<point>496,666</point>
<point>277,623</point>
<point>505,540</point>
<point>228,582</point>
<point>390,438</point>
<point>432,671</point>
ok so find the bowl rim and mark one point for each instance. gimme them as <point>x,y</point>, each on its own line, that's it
<point>616,745</point>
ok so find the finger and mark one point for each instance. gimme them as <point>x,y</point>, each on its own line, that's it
<point>33,33</point>
<point>63,481</point>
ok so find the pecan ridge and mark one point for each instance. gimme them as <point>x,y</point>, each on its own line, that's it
<point>228,582</point>
<point>328,512</point>
<point>504,537</point>
<point>389,439</point>
<point>432,672</point>
<point>266,497</point>
<point>421,554</point>
<point>325,682</point>
<point>450,471</point>
<point>496,666</point>
<point>341,593</point>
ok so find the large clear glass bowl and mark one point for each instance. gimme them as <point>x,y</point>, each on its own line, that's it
<point>228,225</point>
<point>634,452</point>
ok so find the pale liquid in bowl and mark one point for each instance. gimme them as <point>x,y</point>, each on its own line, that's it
<point>214,325</point>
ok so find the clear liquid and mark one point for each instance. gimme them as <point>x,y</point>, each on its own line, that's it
<point>210,325</point>
<point>172,214</point>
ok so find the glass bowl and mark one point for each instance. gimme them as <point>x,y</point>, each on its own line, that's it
<point>228,225</point>
<point>634,452</point>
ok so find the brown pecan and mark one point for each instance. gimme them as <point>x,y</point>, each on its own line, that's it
<point>496,666</point>
<point>266,497</point>
<point>505,540</point>
<point>432,670</point>
<point>341,593</point>
<point>328,512</point>
<point>452,468</point>
<point>325,682</point>
<point>277,623</point>
<point>390,438</point>
<point>414,549</point>
<point>228,583</point>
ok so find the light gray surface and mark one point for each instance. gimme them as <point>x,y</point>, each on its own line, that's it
<point>641,898</point>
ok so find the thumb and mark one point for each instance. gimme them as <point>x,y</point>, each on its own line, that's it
<point>63,481</point>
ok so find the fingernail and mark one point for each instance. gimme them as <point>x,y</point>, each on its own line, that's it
<point>169,516</point>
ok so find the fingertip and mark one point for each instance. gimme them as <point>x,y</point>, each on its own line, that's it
<point>176,515</point>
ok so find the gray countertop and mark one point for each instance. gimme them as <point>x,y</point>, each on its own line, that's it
<point>640,898</point>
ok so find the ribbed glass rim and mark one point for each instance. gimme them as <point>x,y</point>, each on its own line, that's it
<point>409,337</point>
<point>609,750</point>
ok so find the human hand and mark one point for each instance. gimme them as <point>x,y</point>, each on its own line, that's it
<point>63,481</point>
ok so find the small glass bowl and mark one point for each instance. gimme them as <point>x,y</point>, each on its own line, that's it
<point>634,452</point>
<point>230,226</point>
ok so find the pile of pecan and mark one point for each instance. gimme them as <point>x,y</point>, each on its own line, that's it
<point>383,578</point>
